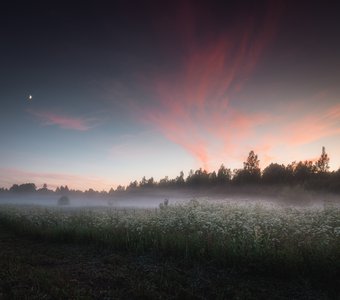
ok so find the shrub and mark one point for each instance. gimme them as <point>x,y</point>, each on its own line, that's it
<point>63,200</point>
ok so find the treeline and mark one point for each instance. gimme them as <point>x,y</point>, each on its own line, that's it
<point>312,175</point>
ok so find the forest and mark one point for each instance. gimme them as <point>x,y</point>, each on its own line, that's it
<point>308,174</point>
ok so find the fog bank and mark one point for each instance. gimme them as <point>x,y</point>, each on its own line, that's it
<point>280,196</point>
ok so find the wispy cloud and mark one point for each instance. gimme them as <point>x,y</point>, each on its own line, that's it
<point>63,121</point>
<point>200,104</point>
<point>314,126</point>
<point>193,106</point>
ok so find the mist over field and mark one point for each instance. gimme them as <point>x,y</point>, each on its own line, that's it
<point>273,197</point>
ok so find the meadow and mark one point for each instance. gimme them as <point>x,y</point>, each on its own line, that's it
<point>265,238</point>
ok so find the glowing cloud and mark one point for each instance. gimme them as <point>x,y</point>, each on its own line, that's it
<point>193,106</point>
<point>199,103</point>
<point>314,126</point>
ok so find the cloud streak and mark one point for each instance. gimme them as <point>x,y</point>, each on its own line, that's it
<point>199,103</point>
<point>63,121</point>
<point>314,126</point>
<point>193,106</point>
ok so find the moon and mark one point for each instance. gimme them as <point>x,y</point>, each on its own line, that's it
<point>30,97</point>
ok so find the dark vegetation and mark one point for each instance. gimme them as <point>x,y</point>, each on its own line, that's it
<point>36,269</point>
<point>63,200</point>
<point>308,175</point>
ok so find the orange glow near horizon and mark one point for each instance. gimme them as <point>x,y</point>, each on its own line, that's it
<point>54,180</point>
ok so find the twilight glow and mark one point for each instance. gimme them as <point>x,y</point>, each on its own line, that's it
<point>153,89</point>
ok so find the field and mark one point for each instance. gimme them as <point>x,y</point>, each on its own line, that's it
<point>292,252</point>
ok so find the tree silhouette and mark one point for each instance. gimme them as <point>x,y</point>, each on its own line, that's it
<point>251,172</point>
<point>143,182</point>
<point>310,175</point>
<point>275,173</point>
<point>223,175</point>
<point>322,165</point>
<point>304,171</point>
<point>180,180</point>
<point>62,190</point>
<point>23,188</point>
<point>132,186</point>
<point>252,163</point>
<point>120,188</point>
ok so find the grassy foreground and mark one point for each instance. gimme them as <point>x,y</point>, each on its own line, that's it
<point>197,251</point>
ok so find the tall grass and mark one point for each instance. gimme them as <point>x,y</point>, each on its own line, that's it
<point>259,236</point>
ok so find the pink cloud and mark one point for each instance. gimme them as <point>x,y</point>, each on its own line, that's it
<point>192,106</point>
<point>314,126</point>
<point>65,122</point>
<point>197,105</point>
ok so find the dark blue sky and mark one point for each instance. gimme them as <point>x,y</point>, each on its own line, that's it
<point>123,89</point>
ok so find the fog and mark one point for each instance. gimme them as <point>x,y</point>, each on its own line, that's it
<point>152,198</point>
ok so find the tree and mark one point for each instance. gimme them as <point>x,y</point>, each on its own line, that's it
<point>44,189</point>
<point>304,171</point>
<point>63,200</point>
<point>251,172</point>
<point>252,163</point>
<point>275,173</point>
<point>164,182</point>
<point>212,178</point>
<point>223,175</point>
<point>23,188</point>
<point>180,179</point>
<point>150,182</point>
<point>143,182</point>
<point>132,186</point>
<point>322,165</point>
<point>120,188</point>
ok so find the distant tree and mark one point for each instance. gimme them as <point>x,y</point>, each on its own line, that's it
<point>23,188</point>
<point>103,193</point>
<point>132,186</point>
<point>91,192</point>
<point>143,182</point>
<point>120,188</point>
<point>62,190</point>
<point>150,182</point>
<point>200,178</point>
<point>164,182</point>
<point>252,163</point>
<point>44,189</point>
<point>14,188</point>
<point>197,178</point>
<point>251,172</point>
<point>63,200</point>
<point>223,175</point>
<point>334,181</point>
<point>180,181</point>
<point>304,171</point>
<point>275,173</point>
<point>213,178</point>
<point>322,165</point>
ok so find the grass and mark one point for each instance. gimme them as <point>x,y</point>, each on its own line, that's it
<point>175,244</point>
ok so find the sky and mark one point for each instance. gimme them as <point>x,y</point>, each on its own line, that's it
<point>126,89</point>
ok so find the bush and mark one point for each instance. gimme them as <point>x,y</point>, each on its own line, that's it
<point>63,200</point>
